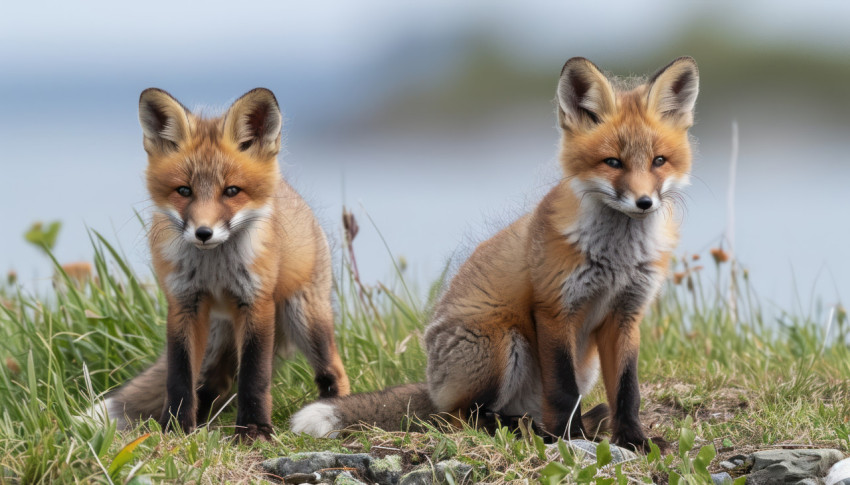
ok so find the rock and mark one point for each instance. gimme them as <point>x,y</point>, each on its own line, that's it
<point>426,475</point>
<point>721,478</point>
<point>741,460</point>
<point>839,474</point>
<point>300,467</point>
<point>791,466</point>
<point>727,465</point>
<point>298,478</point>
<point>420,476</point>
<point>385,470</point>
<point>346,478</point>
<point>324,467</point>
<point>588,449</point>
<point>327,465</point>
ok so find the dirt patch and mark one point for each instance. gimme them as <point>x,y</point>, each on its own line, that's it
<point>666,402</point>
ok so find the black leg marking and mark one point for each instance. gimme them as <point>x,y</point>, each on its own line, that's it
<point>181,396</point>
<point>627,428</point>
<point>321,347</point>
<point>207,396</point>
<point>253,416</point>
<point>327,384</point>
<point>480,413</point>
<point>563,398</point>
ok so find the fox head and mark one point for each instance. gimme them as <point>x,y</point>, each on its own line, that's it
<point>212,178</point>
<point>628,148</point>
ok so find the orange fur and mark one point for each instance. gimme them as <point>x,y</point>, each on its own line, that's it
<point>257,282</point>
<point>534,312</point>
<point>556,283</point>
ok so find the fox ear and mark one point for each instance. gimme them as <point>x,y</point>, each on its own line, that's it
<point>585,97</point>
<point>254,121</point>
<point>165,122</point>
<point>673,91</point>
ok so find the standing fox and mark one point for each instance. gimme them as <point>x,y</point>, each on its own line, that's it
<point>537,310</point>
<point>244,265</point>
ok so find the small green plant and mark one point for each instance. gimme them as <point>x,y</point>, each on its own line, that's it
<point>42,237</point>
<point>575,469</point>
<point>683,467</point>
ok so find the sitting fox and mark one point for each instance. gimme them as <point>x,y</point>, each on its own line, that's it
<point>539,309</point>
<point>243,263</point>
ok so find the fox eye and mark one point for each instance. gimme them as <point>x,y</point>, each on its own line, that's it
<point>232,191</point>
<point>613,163</point>
<point>658,161</point>
<point>184,191</point>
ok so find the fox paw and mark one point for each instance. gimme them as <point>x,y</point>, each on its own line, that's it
<point>662,444</point>
<point>252,432</point>
<point>632,439</point>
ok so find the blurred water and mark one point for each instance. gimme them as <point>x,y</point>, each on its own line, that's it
<point>435,194</point>
<point>372,120</point>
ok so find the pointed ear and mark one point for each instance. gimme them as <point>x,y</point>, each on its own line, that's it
<point>585,97</point>
<point>254,121</point>
<point>165,122</point>
<point>673,91</point>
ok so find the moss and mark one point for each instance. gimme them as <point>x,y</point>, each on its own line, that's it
<point>390,463</point>
<point>346,478</point>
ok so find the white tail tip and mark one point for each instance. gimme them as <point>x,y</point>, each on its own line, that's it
<point>108,409</point>
<point>318,419</point>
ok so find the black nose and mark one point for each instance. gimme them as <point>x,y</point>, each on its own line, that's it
<point>203,233</point>
<point>644,203</point>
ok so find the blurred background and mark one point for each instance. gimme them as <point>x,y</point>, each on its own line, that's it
<point>436,121</point>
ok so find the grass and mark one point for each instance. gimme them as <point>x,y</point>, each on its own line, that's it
<point>728,381</point>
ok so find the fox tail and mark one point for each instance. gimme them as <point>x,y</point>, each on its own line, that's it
<point>385,409</point>
<point>141,398</point>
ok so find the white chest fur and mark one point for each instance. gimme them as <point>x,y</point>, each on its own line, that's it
<point>223,269</point>
<point>617,275</point>
<point>618,271</point>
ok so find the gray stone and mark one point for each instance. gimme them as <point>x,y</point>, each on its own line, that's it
<point>385,470</point>
<point>346,478</point>
<point>419,476</point>
<point>299,478</point>
<point>791,466</point>
<point>721,478</point>
<point>727,465</point>
<point>839,474</point>
<point>426,475</point>
<point>586,448</point>
<point>299,467</point>
<point>309,463</point>
<point>740,460</point>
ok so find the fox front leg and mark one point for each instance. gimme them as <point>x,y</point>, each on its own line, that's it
<point>254,401</point>
<point>561,406</point>
<point>187,329</point>
<point>618,341</point>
